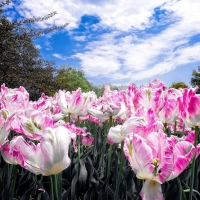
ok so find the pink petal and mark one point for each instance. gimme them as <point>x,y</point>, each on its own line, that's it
<point>183,154</point>
<point>141,157</point>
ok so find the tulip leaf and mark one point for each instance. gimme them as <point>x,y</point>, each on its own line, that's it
<point>27,194</point>
<point>24,182</point>
<point>82,175</point>
<point>111,192</point>
<point>103,195</point>
<point>43,195</point>
<point>185,175</point>
<point>66,194</point>
<point>173,191</point>
<point>74,187</point>
<point>89,194</point>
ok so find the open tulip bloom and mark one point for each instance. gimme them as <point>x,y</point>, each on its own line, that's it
<point>157,159</point>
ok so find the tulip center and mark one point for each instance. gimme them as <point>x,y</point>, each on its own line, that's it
<point>130,149</point>
<point>29,127</point>
<point>5,114</point>
<point>155,163</point>
<point>148,92</point>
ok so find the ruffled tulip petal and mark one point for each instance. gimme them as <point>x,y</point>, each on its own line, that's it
<point>163,150</point>
<point>27,156</point>
<point>8,155</point>
<point>140,157</point>
<point>183,154</point>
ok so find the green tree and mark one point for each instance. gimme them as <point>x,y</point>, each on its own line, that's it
<point>195,80</point>
<point>178,85</point>
<point>99,89</point>
<point>20,60</point>
<point>71,79</point>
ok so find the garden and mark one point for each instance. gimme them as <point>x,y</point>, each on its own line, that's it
<point>138,143</point>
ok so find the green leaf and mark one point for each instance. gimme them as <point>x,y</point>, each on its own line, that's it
<point>82,175</point>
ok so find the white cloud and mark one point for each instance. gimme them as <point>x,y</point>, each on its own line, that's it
<point>38,46</point>
<point>131,45</point>
<point>118,14</point>
<point>139,58</point>
<point>59,56</point>
<point>80,38</point>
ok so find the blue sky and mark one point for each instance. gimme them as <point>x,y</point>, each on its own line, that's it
<point>119,41</point>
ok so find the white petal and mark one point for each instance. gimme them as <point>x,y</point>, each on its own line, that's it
<point>151,190</point>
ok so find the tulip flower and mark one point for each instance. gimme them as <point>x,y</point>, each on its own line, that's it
<point>115,135</point>
<point>110,105</point>
<point>13,100</point>
<point>52,154</point>
<point>75,103</point>
<point>142,126</point>
<point>48,157</point>
<point>87,139</point>
<point>4,129</point>
<point>169,112</point>
<point>156,160</point>
<point>33,123</point>
<point>132,99</point>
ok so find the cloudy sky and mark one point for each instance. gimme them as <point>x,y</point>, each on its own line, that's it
<point>120,41</point>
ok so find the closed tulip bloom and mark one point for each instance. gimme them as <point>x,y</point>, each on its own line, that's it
<point>48,157</point>
<point>52,152</point>
<point>115,135</point>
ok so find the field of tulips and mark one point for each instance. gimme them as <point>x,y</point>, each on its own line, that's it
<point>141,143</point>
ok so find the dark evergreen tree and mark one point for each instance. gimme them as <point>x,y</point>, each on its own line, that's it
<point>20,61</point>
<point>195,80</point>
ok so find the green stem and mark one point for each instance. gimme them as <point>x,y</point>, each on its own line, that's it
<point>59,184</point>
<point>110,150</point>
<point>78,140</point>
<point>68,118</point>
<point>95,143</point>
<point>193,163</point>
<point>104,146</point>
<point>183,131</point>
<point>188,190</point>
<point>175,125</point>
<point>165,129</point>
<point>120,171</point>
<point>110,121</point>
<point>180,188</point>
<point>109,159</point>
<point>13,182</point>
<point>54,189</point>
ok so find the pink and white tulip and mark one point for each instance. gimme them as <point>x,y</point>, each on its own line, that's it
<point>156,160</point>
<point>49,156</point>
